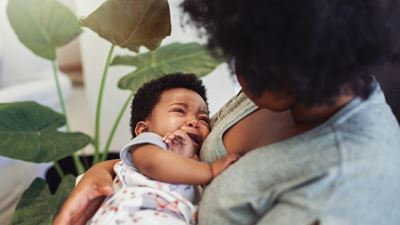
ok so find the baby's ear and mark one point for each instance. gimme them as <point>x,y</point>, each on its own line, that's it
<point>141,127</point>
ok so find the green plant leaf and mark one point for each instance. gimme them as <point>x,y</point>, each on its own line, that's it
<point>38,206</point>
<point>28,131</point>
<point>176,57</point>
<point>131,23</point>
<point>43,25</point>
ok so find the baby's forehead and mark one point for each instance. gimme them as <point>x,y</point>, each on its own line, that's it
<point>182,96</point>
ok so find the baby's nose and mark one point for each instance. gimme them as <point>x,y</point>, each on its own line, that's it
<point>193,123</point>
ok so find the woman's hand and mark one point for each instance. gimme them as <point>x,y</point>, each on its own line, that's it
<point>88,195</point>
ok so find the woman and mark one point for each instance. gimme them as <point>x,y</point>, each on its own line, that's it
<point>319,144</point>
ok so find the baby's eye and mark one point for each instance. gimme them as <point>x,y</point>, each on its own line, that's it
<point>178,110</point>
<point>205,119</point>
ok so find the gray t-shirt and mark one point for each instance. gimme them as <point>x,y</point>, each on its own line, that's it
<point>343,172</point>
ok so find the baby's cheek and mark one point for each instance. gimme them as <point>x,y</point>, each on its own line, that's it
<point>206,131</point>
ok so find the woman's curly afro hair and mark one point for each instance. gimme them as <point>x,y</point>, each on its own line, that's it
<point>307,47</point>
<point>149,94</point>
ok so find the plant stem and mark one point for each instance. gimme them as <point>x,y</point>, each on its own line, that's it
<point>98,109</point>
<point>115,126</point>
<point>60,95</point>
<point>77,162</point>
<point>152,58</point>
<point>58,170</point>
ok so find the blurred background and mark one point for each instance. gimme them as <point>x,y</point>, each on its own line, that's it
<point>88,54</point>
<point>82,61</point>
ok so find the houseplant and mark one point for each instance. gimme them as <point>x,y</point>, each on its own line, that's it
<point>38,25</point>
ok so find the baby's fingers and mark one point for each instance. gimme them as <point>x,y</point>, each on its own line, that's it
<point>168,138</point>
<point>182,135</point>
<point>231,158</point>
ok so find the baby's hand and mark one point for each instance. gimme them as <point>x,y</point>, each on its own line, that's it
<point>180,142</point>
<point>219,165</point>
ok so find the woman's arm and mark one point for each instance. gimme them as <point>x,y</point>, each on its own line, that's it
<point>87,196</point>
<point>171,167</point>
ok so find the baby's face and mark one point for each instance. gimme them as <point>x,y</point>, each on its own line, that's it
<point>180,108</point>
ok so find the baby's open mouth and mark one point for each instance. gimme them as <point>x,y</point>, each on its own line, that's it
<point>195,138</point>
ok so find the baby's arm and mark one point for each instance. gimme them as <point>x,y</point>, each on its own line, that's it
<point>170,167</point>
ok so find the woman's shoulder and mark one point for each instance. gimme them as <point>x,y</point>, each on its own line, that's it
<point>236,106</point>
<point>367,123</point>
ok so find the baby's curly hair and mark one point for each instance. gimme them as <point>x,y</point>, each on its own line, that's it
<point>149,94</point>
<point>307,47</point>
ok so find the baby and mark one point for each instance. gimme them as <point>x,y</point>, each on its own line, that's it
<point>159,168</point>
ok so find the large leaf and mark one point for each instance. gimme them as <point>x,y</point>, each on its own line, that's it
<point>42,25</point>
<point>131,23</point>
<point>37,206</point>
<point>28,131</point>
<point>176,57</point>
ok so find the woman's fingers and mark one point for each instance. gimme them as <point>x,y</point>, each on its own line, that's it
<point>103,190</point>
<point>88,195</point>
<point>82,204</point>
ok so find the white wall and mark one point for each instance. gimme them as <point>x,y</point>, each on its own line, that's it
<point>94,50</point>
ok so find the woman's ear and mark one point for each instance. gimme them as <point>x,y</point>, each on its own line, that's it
<point>141,127</point>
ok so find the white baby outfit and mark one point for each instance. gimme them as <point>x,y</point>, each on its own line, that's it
<point>138,199</point>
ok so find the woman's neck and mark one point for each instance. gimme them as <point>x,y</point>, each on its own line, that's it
<point>302,114</point>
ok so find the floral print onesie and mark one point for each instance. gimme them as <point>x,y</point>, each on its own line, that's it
<point>138,199</point>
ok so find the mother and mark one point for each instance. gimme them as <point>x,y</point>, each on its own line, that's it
<point>320,145</point>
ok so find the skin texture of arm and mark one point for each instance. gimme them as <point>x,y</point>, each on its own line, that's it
<point>171,167</point>
<point>87,196</point>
